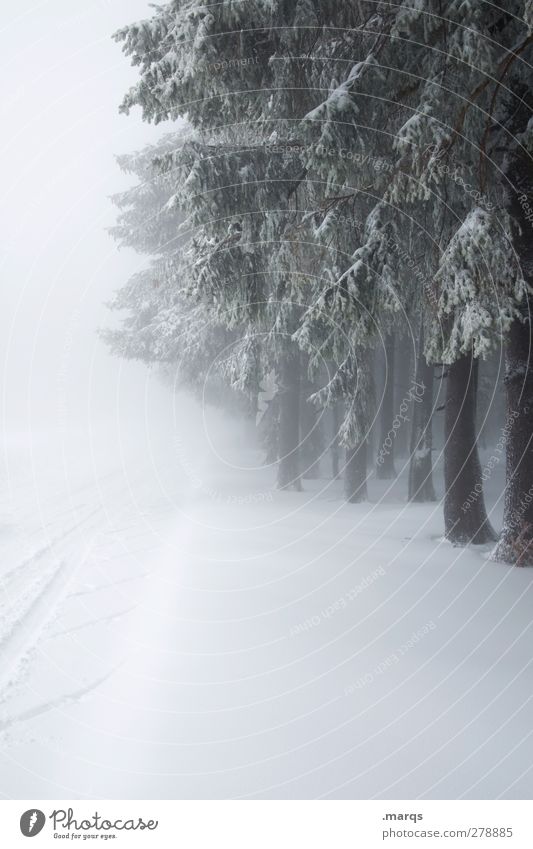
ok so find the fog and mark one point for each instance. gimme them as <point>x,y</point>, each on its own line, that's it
<point>62,80</point>
<point>194,605</point>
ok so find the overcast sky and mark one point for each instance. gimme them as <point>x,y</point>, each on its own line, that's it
<point>62,78</point>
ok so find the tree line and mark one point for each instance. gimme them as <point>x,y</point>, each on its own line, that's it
<point>347,195</point>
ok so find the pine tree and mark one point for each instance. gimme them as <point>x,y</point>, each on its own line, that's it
<point>421,487</point>
<point>385,465</point>
<point>516,544</point>
<point>160,324</point>
<point>439,71</point>
<point>241,179</point>
<point>308,149</point>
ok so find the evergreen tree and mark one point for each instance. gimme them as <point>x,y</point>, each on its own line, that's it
<point>240,180</point>
<point>305,148</point>
<point>439,71</point>
<point>516,543</point>
<point>160,323</point>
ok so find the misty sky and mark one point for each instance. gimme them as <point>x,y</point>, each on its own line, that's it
<point>61,83</point>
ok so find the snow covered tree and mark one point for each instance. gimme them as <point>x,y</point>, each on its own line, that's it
<point>408,138</point>
<point>312,438</point>
<point>440,71</point>
<point>241,179</point>
<point>385,465</point>
<point>353,304</point>
<point>160,323</point>
<point>421,445</point>
<point>516,543</point>
<point>356,437</point>
<point>477,255</point>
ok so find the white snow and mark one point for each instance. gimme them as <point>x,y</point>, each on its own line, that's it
<point>172,635</point>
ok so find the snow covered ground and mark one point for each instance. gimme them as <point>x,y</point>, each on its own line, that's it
<point>174,628</point>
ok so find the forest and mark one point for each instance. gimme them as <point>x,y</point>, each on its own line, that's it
<point>338,239</point>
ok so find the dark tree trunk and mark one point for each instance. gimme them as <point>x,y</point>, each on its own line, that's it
<point>421,448</point>
<point>268,429</point>
<point>289,420</point>
<point>312,446</point>
<point>516,542</point>
<point>403,357</point>
<point>355,474</point>
<point>385,466</point>
<point>335,448</point>
<point>465,517</point>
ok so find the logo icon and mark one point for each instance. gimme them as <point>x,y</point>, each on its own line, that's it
<point>32,822</point>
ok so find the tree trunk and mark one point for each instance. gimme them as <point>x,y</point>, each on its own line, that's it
<point>355,474</point>
<point>289,420</point>
<point>335,449</point>
<point>465,517</point>
<point>385,464</point>
<point>516,542</point>
<point>403,356</point>
<point>268,429</point>
<point>421,448</point>
<point>312,447</point>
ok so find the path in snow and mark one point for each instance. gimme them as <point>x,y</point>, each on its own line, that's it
<point>239,642</point>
